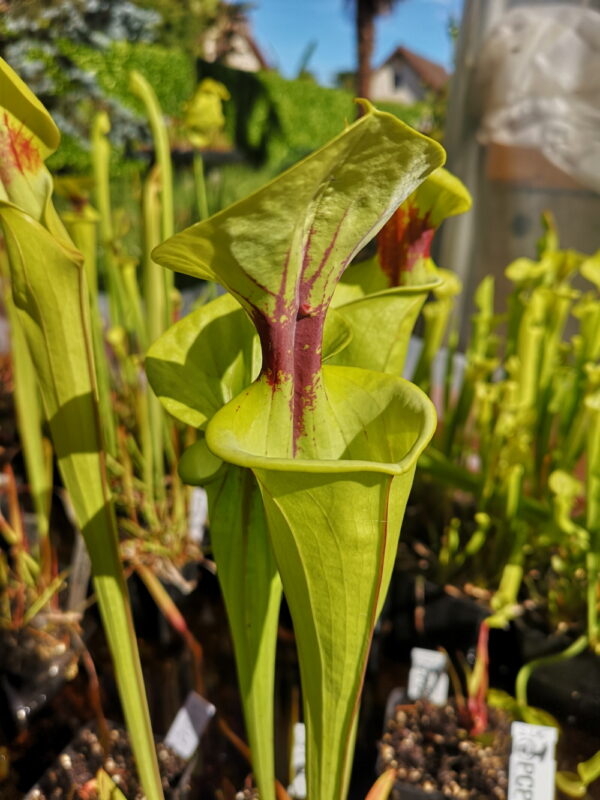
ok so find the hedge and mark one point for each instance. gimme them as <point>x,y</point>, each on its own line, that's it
<point>272,121</point>
<point>170,71</point>
<point>277,121</point>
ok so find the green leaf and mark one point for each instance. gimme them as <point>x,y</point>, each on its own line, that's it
<point>497,698</point>
<point>333,449</point>
<point>198,466</point>
<point>590,269</point>
<point>334,522</point>
<point>107,788</point>
<point>252,593</point>
<point>385,294</point>
<point>570,784</point>
<point>193,378</point>
<point>28,135</point>
<point>22,104</point>
<point>389,318</point>
<point>29,419</point>
<point>301,230</point>
<point>55,320</point>
<point>538,716</point>
<point>404,243</point>
<point>382,788</point>
<point>360,279</point>
<point>441,196</point>
<point>589,770</point>
<point>51,301</point>
<point>282,250</point>
<point>565,485</point>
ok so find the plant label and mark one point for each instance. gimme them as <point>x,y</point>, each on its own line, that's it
<point>532,767</point>
<point>297,787</point>
<point>428,679</point>
<point>189,725</point>
<point>396,697</point>
<point>197,515</point>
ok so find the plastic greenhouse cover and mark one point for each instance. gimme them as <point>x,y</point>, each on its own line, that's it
<point>538,78</point>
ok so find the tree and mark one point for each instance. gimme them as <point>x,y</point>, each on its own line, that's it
<point>365,13</point>
<point>45,40</point>
<point>183,23</point>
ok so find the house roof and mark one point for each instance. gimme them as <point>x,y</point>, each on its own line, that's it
<point>431,74</point>
<point>246,33</point>
<point>232,38</point>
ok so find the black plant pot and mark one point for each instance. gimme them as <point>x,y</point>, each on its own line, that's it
<point>419,613</point>
<point>29,677</point>
<point>570,690</point>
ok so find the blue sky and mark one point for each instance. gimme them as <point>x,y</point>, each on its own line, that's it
<point>284,28</point>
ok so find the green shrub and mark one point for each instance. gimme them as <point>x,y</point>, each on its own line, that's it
<point>277,121</point>
<point>170,72</point>
<point>414,115</point>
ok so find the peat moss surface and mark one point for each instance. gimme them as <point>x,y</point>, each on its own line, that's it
<point>247,794</point>
<point>432,750</point>
<point>73,775</point>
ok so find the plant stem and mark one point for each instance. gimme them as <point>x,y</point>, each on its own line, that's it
<point>142,89</point>
<point>175,618</point>
<point>441,468</point>
<point>157,304</point>
<point>29,419</point>
<point>200,182</point>
<point>526,671</point>
<point>82,226</point>
<point>593,519</point>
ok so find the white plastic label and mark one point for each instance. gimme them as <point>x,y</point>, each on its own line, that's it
<point>189,725</point>
<point>532,767</point>
<point>428,679</point>
<point>395,697</point>
<point>197,514</point>
<point>297,787</point>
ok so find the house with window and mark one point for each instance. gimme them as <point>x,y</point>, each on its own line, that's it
<point>232,43</point>
<point>406,77</point>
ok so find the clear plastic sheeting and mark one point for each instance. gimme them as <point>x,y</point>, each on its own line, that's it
<point>538,86</point>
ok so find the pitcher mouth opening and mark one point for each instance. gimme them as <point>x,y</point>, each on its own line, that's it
<point>228,445</point>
